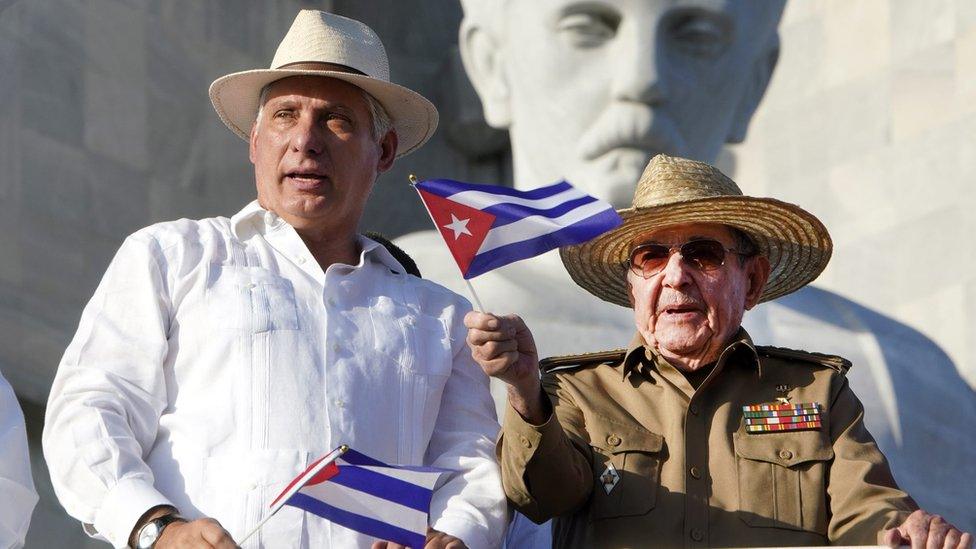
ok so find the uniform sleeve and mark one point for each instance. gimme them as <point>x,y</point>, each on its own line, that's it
<point>16,483</point>
<point>546,468</point>
<point>470,505</point>
<point>108,394</point>
<point>864,499</point>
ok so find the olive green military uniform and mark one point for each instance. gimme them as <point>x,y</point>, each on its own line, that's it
<point>685,471</point>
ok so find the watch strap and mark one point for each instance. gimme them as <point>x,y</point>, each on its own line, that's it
<point>160,523</point>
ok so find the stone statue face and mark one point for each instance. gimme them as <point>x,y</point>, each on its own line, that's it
<point>591,90</point>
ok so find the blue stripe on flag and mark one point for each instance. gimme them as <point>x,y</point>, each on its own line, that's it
<point>384,487</point>
<point>359,523</point>
<point>355,458</point>
<point>509,213</point>
<point>574,234</point>
<point>447,187</point>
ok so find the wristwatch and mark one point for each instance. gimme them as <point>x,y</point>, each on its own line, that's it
<point>149,533</point>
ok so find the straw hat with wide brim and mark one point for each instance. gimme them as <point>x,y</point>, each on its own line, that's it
<point>672,191</point>
<point>317,37</point>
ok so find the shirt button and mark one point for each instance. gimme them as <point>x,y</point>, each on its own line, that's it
<point>695,472</point>
<point>614,440</point>
<point>693,409</point>
<point>250,286</point>
<point>300,260</point>
<point>340,403</point>
<point>697,534</point>
<point>336,347</point>
<point>525,441</point>
<point>330,302</point>
<point>785,454</point>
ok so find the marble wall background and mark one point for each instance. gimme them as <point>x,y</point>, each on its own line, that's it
<point>105,127</point>
<point>870,122</point>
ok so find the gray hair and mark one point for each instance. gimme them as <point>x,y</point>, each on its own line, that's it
<point>380,121</point>
<point>744,244</point>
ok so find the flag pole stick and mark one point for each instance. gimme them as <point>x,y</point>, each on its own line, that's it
<point>474,294</point>
<point>329,458</point>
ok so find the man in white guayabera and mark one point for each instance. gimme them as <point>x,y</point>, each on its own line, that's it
<point>591,90</point>
<point>219,357</point>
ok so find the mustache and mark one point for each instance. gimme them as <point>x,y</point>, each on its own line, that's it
<point>672,300</point>
<point>630,125</point>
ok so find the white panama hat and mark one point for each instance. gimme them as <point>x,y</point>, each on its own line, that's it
<point>320,37</point>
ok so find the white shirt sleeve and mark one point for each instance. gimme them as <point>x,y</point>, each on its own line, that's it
<point>471,506</point>
<point>108,394</point>
<point>16,483</point>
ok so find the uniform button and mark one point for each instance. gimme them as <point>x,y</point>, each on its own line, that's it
<point>340,403</point>
<point>330,302</point>
<point>250,285</point>
<point>693,409</point>
<point>695,472</point>
<point>614,440</point>
<point>301,260</point>
<point>785,454</point>
<point>336,347</point>
<point>697,534</point>
<point>525,442</point>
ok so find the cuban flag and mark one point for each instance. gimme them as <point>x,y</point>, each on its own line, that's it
<point>487,226</point>
<point>388,502</point>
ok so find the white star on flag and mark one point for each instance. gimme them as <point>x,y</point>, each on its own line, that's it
<point>459,226</point>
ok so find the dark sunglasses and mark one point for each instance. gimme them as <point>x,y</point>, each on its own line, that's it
<point>647,260</point>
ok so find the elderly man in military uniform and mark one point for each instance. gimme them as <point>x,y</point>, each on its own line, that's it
<point>693,435</point>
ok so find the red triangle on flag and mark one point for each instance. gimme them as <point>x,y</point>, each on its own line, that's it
<point>464,228</point>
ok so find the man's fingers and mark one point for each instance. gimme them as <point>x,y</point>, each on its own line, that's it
<point>966,541</point>
<point>215,535</point>
<point>938,528</point>
<point>495,349</point>
<point>480,337</point>
<point>892,538</point>
<point>952,539</point>
<point>916,529</point>
<point>481,321</point>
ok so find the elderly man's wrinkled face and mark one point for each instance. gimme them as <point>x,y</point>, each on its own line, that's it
<point>592,89</point>
<point>689,314</point>
<point>315,158</point>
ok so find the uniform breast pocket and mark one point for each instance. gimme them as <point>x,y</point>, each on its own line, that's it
<point>250,300</point>
<point>626,471</point>
<point>782,479</point>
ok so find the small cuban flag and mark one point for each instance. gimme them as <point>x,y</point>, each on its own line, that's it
<point>487,226</point>
<point>387,502</point>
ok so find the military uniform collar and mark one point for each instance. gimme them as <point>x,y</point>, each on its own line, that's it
<point>640,354</point>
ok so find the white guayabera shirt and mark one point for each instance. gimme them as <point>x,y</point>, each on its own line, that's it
<point>17,495</point>
<point>216,360</point>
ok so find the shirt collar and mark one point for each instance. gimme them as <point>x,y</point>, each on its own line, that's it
<point>378,253</point>
<point>639,354</point>
<point>254,219</point>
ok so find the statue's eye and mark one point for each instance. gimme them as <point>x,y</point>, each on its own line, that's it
<point>588,29</point>
<point>700,33</point>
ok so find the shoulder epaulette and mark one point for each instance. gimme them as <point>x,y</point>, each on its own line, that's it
<point>840,364</point>
<point>571,362</point>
